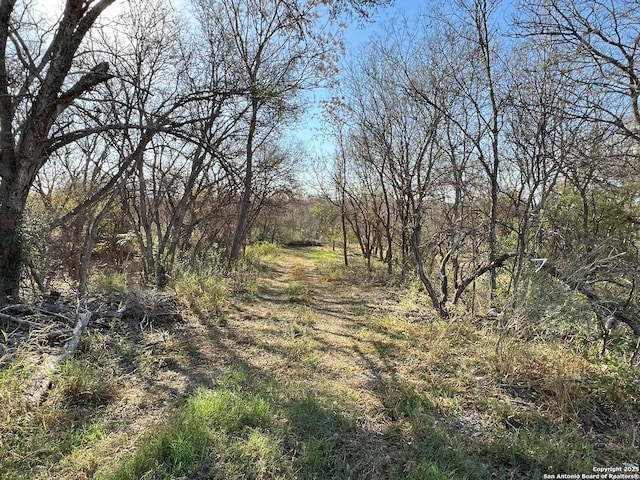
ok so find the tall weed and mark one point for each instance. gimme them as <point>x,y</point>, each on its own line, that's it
<point>206,296</point>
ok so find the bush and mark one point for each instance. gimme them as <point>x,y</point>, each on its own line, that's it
<point>256,254</point>
<point>206,296</point>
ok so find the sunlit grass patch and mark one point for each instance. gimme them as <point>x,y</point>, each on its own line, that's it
<point>332,270</point>
<point>109,282</point>
<point>259,255</point>
<point>395,325</point>
<point>330,264</point>
<point>302,314</point>
<point>298,272</point>
<point>303,350</point>
<point>544,375</point>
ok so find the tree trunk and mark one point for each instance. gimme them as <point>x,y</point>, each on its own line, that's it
<point>417,255</point>
<point>22,150</point>
<point>492,168</point>
<point>388,228</point>
<point>11,251</point>
<point>91,236</point>
<point>343,220</point>
<point>245,203</point>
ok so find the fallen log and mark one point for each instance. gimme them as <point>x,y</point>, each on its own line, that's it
<point>303,243</point>
<point>42,383</point>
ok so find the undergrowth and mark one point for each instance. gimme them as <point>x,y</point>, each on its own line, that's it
<point>325,380</point>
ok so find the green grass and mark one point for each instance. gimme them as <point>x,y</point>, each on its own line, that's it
<point>231,433</point>
<point>218,434</point>
<point>109,282</point>
<point>296,292</point>
<point>332,268</point>
<point>260,254</point>
<point>58,429</point>
<point>235,434</point>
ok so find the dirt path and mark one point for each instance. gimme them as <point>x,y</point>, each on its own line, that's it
<point>299,329</point>
<point>304,330</point>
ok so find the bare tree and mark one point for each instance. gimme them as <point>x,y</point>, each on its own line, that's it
<point>37,83</point>
<point>599,43</point>
<point>538,136</point>
<point>596,47</point>
<point>274,49</point>
<point>182,99</point>
<point>475,75</point>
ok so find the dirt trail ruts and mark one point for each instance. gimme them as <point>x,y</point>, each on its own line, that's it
<point>318,341</point>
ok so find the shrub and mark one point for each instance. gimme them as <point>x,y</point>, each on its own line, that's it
<point>206,296</point>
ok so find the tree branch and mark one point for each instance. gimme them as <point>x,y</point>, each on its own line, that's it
<point>498,262</point>
<point>49,366</point>
<point>97,75</point>
<point>600,307</point>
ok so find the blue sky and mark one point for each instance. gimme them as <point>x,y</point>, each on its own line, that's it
<point>309,131</point>
<point>355,35</point>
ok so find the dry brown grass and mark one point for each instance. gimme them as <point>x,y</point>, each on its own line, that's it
<point>360,380</point>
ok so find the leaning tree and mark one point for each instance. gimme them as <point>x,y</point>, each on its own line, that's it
<point>41,76</point>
